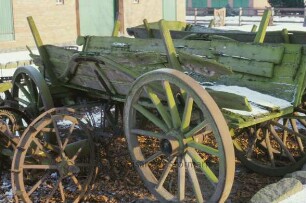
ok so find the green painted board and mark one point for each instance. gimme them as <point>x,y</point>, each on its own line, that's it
<point>203,66</point>
<point>264,69</point>
<point>230,100</point>
<point>266,53</point>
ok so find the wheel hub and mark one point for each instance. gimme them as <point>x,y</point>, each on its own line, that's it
<point>67,167</point>
<point>173,144</point>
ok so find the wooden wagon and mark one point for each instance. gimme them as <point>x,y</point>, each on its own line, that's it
<point>187,105</point>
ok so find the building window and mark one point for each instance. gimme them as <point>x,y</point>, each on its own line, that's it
<point>6,21</point>
<point>59,2</point>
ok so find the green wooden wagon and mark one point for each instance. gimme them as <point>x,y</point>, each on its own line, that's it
<point>181,30</point>
<point>186,104</point>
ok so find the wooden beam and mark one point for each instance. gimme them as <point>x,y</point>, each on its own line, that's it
<point>147,27</point>
<point>261,34</point>
<point>170,49</point>
<point>77,12</point>
<point>254,28</point>
<point>35,32</point>
<point>116,28</point>
<point>286,36</point>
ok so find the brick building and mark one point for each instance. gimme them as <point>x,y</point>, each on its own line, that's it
<point>55,20</point>
<point>223,3</point>
<point>59,21</point>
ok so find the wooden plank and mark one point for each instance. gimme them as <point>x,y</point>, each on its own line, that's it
<point>42,52</point>
<point>147,27</point>
<point>5,86</point>
<point>254,28</point>
<point>266,53</point>
<point>35,32</point>
<point>264,69</point>
<point>286,35</point>
<point>170,49</point>
<point>116,28</point>
<point>230,100</point>
<point>206,67</point>
<point>261,34</point>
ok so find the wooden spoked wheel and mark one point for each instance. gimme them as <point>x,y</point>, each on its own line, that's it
<point>31,91</point>
<point>13,123</point>
<point>60,171</point>
<point>275,147</point>
<point>175,132</point>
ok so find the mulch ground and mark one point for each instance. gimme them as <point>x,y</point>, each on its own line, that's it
<point>118,180</point>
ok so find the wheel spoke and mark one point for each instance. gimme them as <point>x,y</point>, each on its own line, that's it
<point>288,129</point>
<point>181,178</point>
<point>159,106</point>
<point>38,183</point>
<point>77,154</point>
<point>203,166</point>
<point>26,103</point>
<point>39,145</point>
<point>25,92</point>
<point>82,165</point>
<point>151,158</point>
<point>40,166</point>
<point>203,148</point>
<point>298,139</point>
<point>48,130</point>
<point>165,173</point>
<point>57,133</point>
<point>61,189</point>
<point>53,190</point>
<point>29,84</point>
<point>283,146</point>
<point>187,114</point>
<point>147,133</point>
<point>196,129</point>
<point>269,147</point>
<point>303,122</point>
<point>151,117</point>
<point>76,182</point>
<point>251,145</point>
<point>285,132</point>
<point>172,105</point>
<point>183,94</point>
<point>68,136</point>
<point>193,178</point>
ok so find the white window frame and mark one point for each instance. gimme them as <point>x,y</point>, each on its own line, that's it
<point>59,2</point>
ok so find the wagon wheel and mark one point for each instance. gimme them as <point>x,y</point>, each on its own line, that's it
<point>48,172</point>
<point>185,136</point>
<point>13,122</point>
<point>31,91</point>
<point>275,147</point>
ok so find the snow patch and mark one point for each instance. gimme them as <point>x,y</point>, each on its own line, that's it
<point>256,99</point>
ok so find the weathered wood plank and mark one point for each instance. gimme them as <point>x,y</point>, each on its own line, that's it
<point>264,69</point>
<point>230,100</point>
<point>261,34</point>
<point>147,27</point>
<point>206,67</point>
<point>265,53</point>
